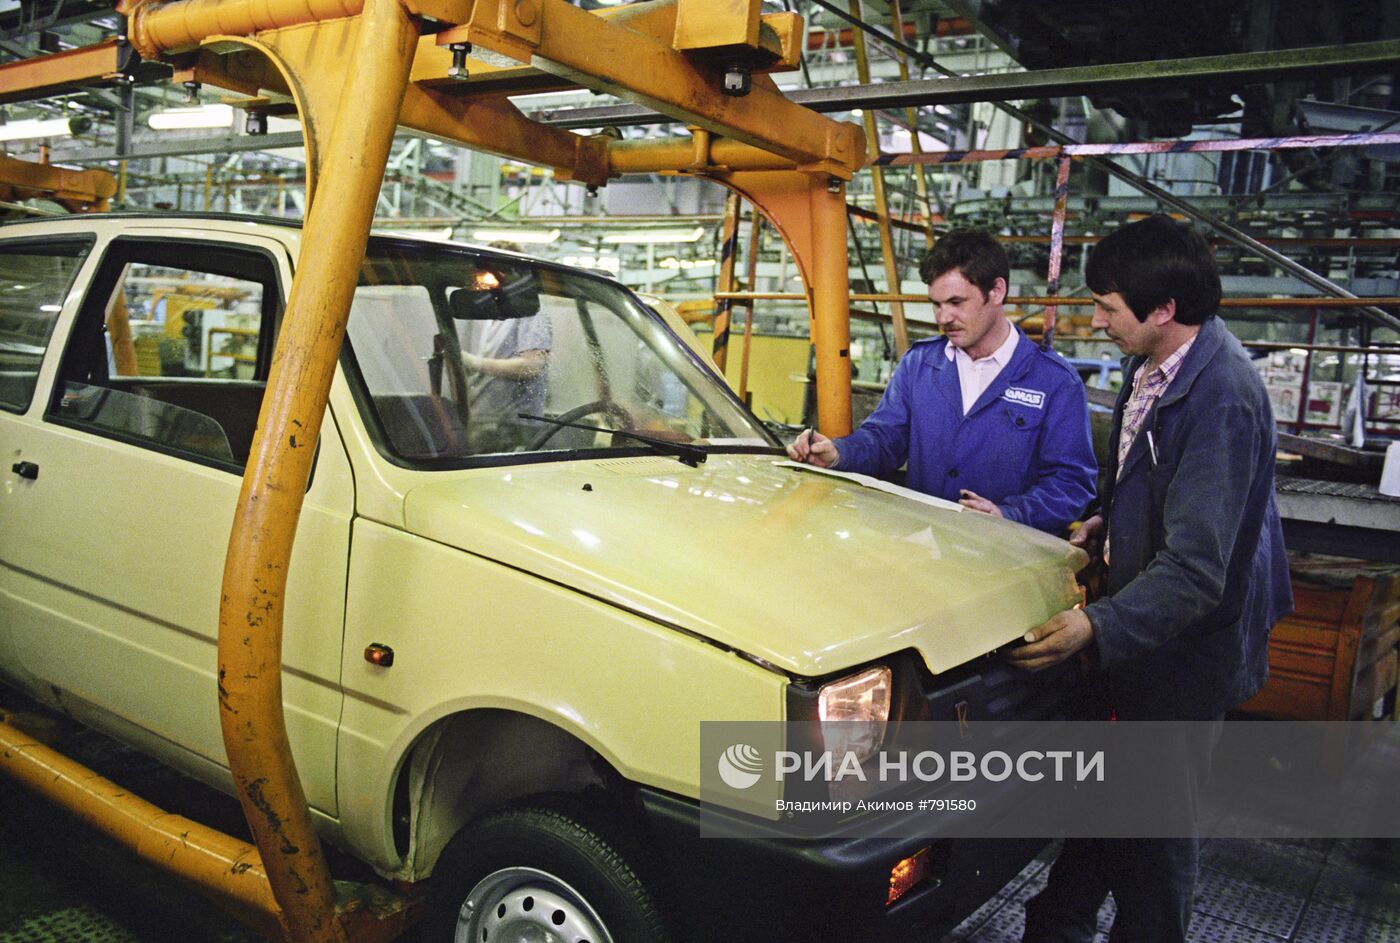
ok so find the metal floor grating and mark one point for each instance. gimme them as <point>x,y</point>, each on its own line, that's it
<point>1250,891</point>
<point>1332,489</point>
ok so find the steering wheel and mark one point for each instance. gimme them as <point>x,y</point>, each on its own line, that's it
<point>579,412</point>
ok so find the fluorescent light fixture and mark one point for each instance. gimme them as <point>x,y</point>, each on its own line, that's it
<point>442,234</point>
<point>515,235</point>
<point>35,128</point>
<point>201,116</point>
<point>654,236</point>
<point>602,263</point>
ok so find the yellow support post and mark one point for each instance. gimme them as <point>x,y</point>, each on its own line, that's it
<point>911,115</point>
<point>729,249</point>
<point>882,206</point>
<point>809,212</point>
<point>755,233</point>
<point>830,288</point>
<point>274,485</point>
<point>119,331</point>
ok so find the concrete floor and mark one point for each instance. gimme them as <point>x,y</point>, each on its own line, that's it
<point>64,884</point>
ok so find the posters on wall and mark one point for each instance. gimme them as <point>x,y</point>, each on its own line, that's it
<point>1282,372</point>
<point>1385,404</point>
<point>1324,407</point>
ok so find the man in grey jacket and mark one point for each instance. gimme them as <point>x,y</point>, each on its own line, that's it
<point>1197,574</point>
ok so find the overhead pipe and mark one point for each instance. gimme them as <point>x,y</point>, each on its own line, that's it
<point>655,155</point>
<point>1227,231</point>
<point>183,25</point>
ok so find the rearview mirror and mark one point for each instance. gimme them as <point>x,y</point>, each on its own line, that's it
<point>496,293</point>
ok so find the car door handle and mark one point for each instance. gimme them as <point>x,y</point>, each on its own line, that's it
<point>25,470</point>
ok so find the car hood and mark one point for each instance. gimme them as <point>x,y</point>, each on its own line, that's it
<point>809,572</point>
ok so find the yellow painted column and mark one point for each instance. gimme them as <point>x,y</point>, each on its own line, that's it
<point>809,212</point>
<point>882,203</point>
<point>274,485</point>
<point>831,307</point>
<point>724,309</point>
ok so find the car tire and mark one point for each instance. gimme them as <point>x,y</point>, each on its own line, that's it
<point>540,872</point>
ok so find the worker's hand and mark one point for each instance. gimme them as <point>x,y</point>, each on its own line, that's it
<point>1089,535</point>
<point>975,502</point>
<point>472,362</point>
<point>1053,641</point>
<point>814,448</point>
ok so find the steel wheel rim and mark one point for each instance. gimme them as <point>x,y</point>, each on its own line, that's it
<point>527,905</point>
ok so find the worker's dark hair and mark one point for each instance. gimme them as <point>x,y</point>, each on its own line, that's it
<point>974,252</point>
<point>1153,260</point>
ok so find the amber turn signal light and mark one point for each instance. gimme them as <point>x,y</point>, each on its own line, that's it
<point>906,875</point>
<point>377,654</point>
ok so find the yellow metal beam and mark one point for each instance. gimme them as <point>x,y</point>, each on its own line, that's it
<point>77,190</point>
<point>173,843</point>
<point>700,152</point>
<point>60,72</point>
<point>493,124</point>
<point>181,26</point>
<point>717,24</point>
<point>561,39</point>
<point>434,60</point>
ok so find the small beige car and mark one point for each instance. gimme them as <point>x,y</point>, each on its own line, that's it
<point>574,541</point>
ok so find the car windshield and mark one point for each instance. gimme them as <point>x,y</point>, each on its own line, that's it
<point>455,348</point>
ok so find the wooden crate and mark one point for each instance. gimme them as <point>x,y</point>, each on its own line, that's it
<point>1336,656</point>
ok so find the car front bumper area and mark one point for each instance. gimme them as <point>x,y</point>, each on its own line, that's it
<point>781,888</point>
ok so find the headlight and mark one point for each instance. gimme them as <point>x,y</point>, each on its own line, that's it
<point>854,712</point>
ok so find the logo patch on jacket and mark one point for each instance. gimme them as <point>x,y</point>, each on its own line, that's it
<point>1032,398</point>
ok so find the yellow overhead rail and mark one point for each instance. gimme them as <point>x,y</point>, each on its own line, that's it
<point>354,70</point>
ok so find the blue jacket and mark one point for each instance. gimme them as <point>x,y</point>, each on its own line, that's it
<point>1197,571</point>
<point>1024,445</point>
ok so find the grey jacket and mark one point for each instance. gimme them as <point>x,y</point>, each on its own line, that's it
<point>1198,574</point>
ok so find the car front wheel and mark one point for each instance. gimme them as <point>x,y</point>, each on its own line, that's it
<point>539,875</point>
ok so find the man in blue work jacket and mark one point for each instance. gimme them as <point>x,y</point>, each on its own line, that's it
<point>982,415</point>
<point>1197,574</point>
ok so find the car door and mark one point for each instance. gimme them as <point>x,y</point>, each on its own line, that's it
<point>115,548</point>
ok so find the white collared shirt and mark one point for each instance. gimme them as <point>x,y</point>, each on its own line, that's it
<point>974,376</point>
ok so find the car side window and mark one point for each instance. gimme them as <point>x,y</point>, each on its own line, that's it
<point>34,280</point>
<point>172,349</point>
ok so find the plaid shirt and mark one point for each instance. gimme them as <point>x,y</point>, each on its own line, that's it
<point>1148,387</point>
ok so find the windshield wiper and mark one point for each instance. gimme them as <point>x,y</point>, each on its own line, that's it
<point>692,455</point>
